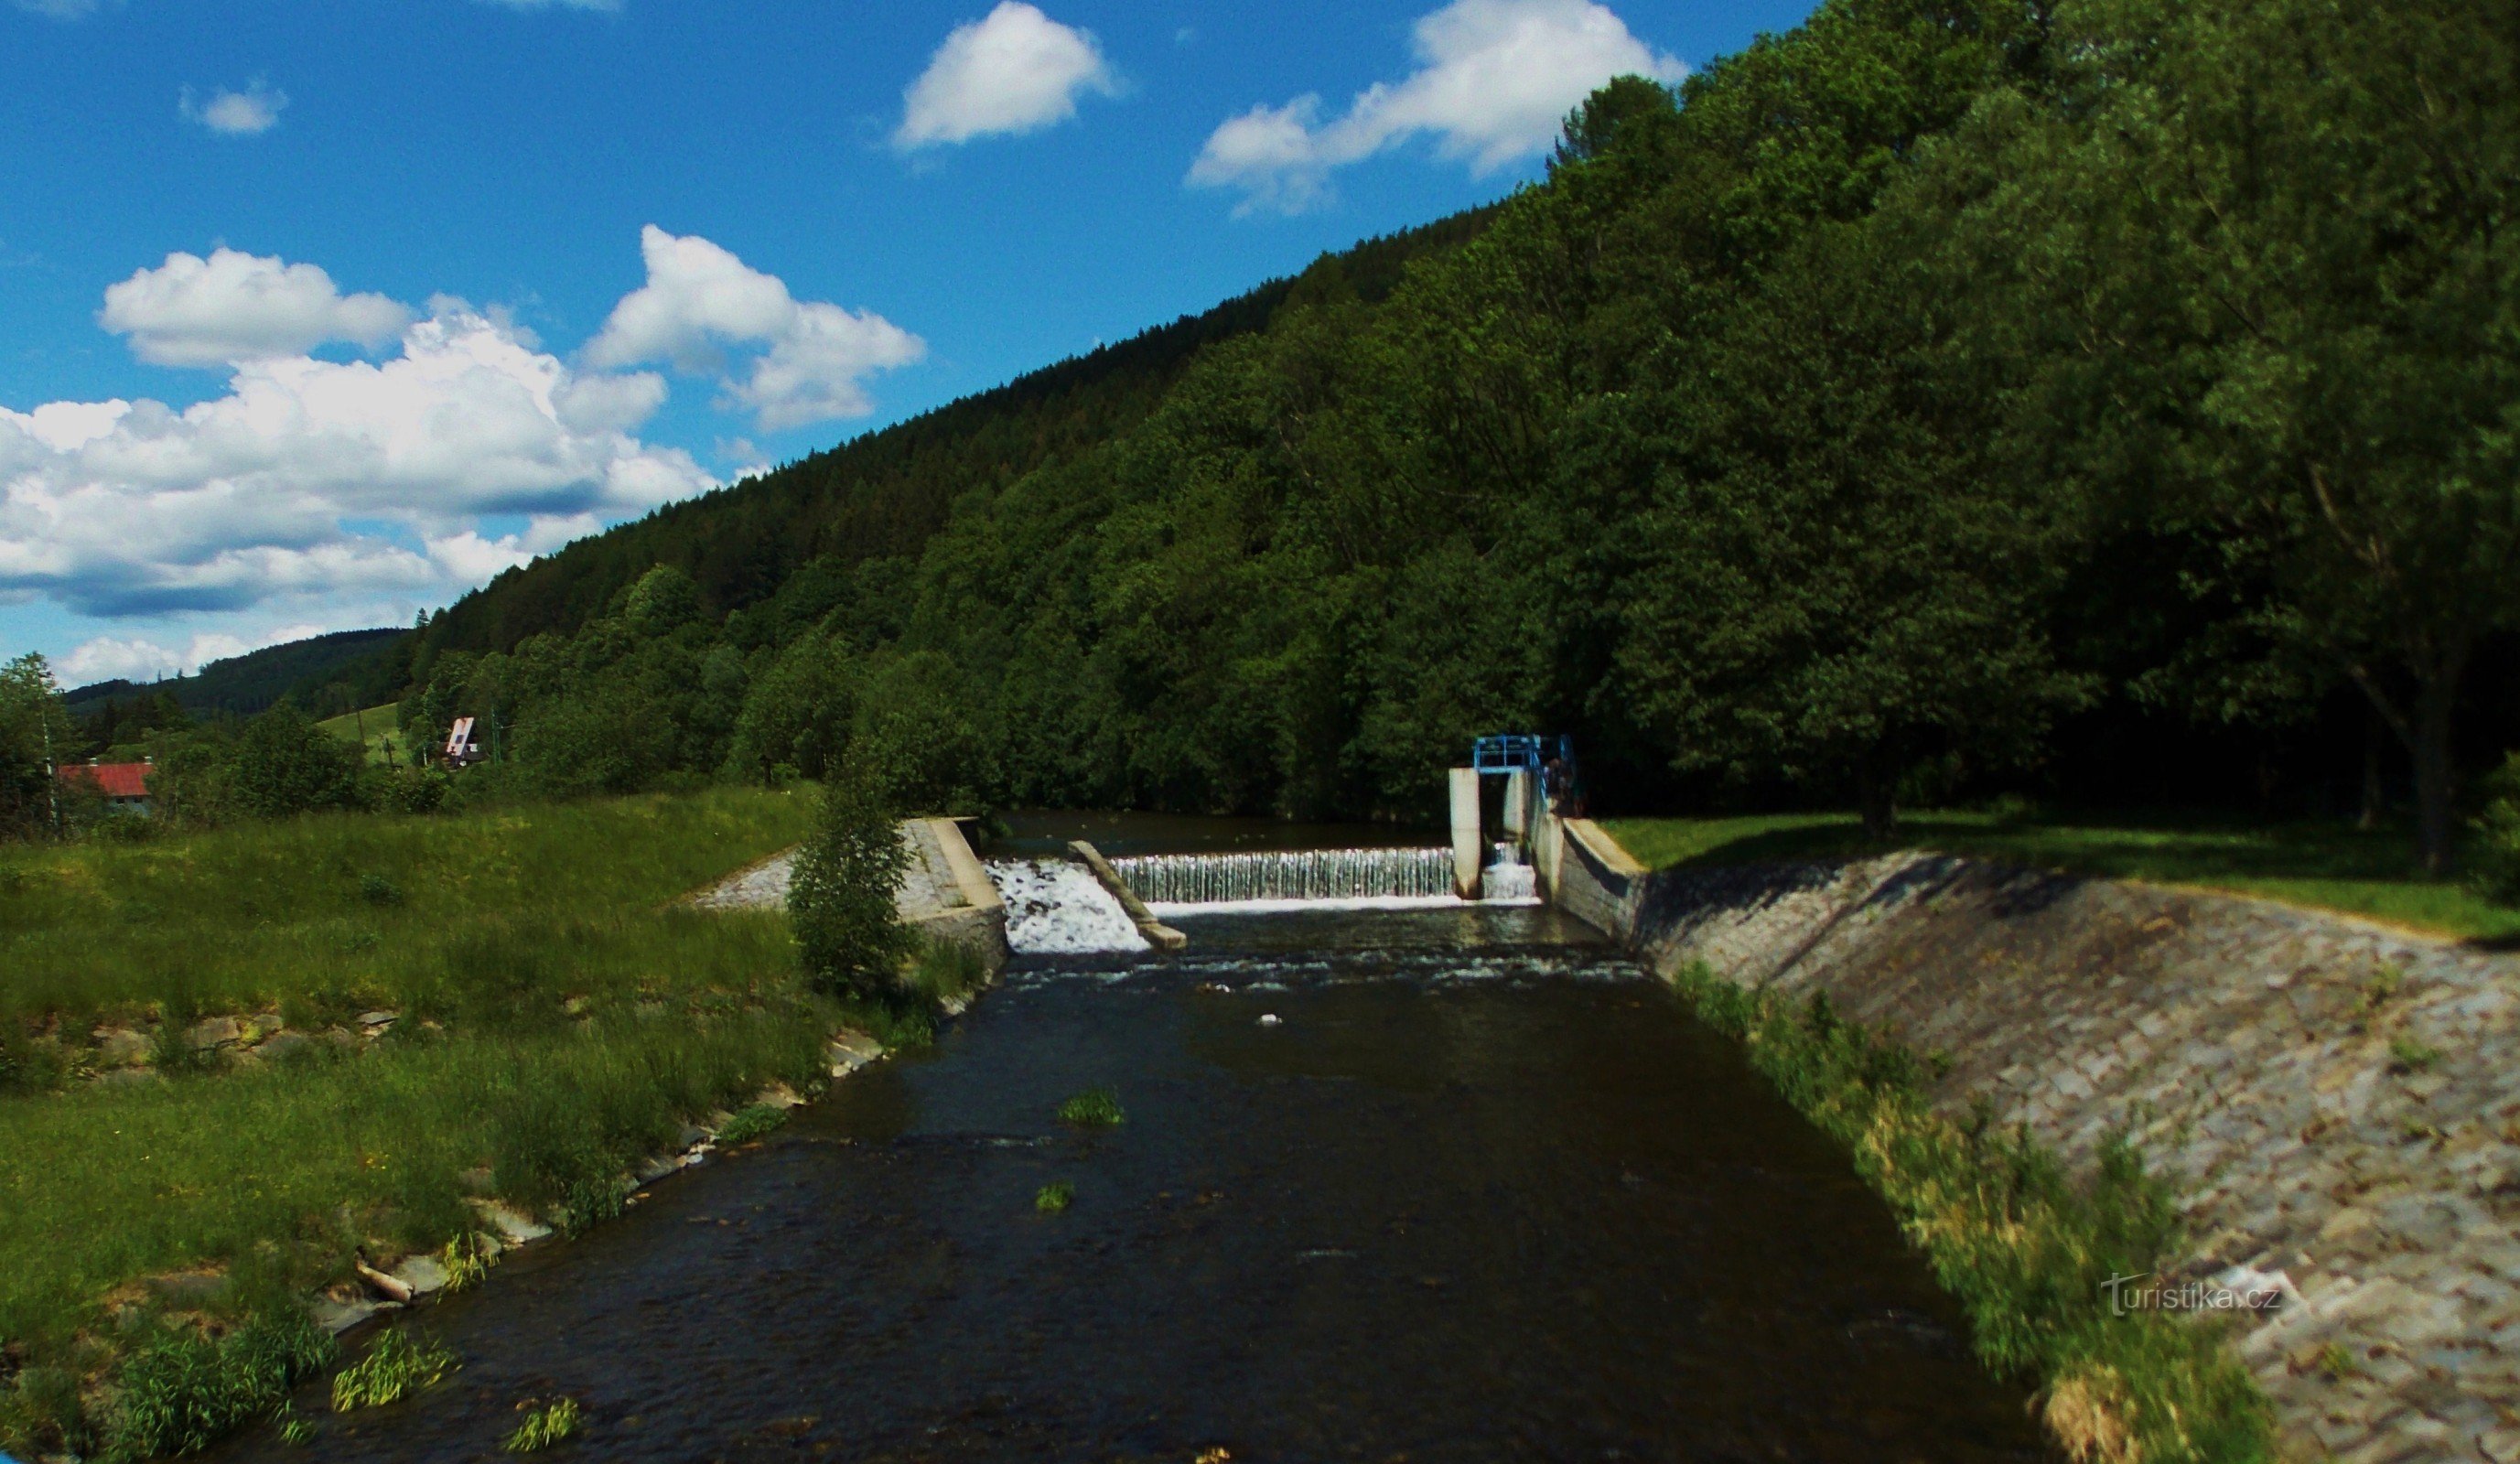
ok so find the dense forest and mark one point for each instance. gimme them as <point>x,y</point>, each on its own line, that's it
<point>2112,400</point>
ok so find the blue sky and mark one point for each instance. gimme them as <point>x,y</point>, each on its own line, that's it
<point>313,315</point>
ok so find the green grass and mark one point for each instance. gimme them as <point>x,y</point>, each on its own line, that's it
<point>378,729</point>
<point>400,1363</point>
<point>2027,1252</point>
<point>1054,1197</point>
<point>1093,1108</point>
<point>560,1017</point>
<point>2322,866</point>
<point>752,1122</point>
<point>545,1427</point>
<point>487,914</point>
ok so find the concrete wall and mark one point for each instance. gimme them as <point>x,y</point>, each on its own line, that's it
<point>2246,1049</point>
<point>948,894</point>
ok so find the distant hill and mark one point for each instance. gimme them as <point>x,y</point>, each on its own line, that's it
<point>241,686</point>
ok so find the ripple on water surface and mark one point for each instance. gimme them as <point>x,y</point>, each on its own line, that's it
<point>1494,1204</point>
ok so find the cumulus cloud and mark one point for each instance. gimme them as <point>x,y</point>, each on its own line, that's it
<point>1495,79</point>
<point>234,307</point>
<point>701,300</point>
<point>1013,70</point>
<point>244,114</point>
<point>313,482</point>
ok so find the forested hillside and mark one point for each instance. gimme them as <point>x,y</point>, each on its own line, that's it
<point>1945,396</point>
<point>242,684</point>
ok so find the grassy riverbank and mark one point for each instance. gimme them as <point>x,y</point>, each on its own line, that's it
<point>2026,1252</point>
<point>2321,866</point>
<point>555,1018</point>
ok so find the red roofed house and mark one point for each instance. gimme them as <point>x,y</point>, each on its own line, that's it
<point>125,786</point>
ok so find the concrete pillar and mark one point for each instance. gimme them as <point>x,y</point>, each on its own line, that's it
<point>1467,846</point>
<point>1517,806</point>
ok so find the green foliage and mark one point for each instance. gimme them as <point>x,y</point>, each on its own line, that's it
<point>2027,1252</point>
<point>35,733</point>
<point>1093,1108</point>
<point>401,1361</point>
<point>182,1391</point>
<point>2496,872</point>
<point>551,1424</point>
<point>849,936</point>
<point>1054,1197</point>
<point>750,1121</point>
<point>2409,1053</point>
<point>283,764</point>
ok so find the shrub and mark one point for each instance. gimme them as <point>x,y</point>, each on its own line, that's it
<point>400,1363</point>
<point>1054,1197</point>
<point>2497,835</point>
<point>849,937</point>
<point>415,790</point>
<point>284,764</point>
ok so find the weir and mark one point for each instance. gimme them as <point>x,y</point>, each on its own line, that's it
<point>1309,874</point>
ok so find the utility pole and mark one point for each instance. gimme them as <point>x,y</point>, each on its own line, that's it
<point>52,774</point>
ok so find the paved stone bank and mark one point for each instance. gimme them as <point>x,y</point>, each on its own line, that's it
<point>2337,1103</point>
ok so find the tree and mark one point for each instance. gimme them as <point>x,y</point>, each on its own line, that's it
<point>2280,255</point>
<point>849,936</point>
<point>284,764</point>
<point>36,729</point>
<point>1846,586</point>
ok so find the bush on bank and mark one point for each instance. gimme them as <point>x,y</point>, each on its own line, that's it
<point>2025,1250</point>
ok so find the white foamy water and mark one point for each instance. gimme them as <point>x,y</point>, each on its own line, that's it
<point>1055,907</point>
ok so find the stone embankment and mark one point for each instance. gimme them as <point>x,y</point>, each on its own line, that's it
<point>2336,1103</point>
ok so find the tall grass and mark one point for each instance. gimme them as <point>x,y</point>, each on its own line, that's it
<point>2025,1250</point>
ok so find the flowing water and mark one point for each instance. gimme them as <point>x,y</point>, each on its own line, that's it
<point>1432,1184</point>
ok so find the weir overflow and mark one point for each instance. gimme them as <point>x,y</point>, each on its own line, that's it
<point>1290,874</point>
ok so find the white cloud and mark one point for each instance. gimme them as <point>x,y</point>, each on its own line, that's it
<point>311,483</point>
<point>1494,80</point>
<point>1013,70</point>
<point>234,307</point>
<point>246,113</point>
<point>700,298</point>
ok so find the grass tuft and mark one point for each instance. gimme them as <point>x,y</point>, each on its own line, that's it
<point>1054,1197</point>
<point>545,1427</point>
<point>2028,1253</point>
<point>1093,1108</point>
<point>399,1364</point>
<point>751,1123</point>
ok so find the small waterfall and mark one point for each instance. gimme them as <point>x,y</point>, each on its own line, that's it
<point>1308,875</point>
<point>1056,907</point>
<point>1506,877</point>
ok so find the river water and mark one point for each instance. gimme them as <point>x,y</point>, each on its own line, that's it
<point>1480,1191</point>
